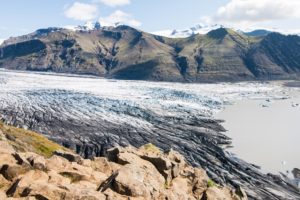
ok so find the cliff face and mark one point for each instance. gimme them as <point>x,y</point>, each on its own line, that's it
<point>32,167</point>
<point>126,53</point>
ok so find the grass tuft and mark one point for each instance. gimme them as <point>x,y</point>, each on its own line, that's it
<point>151,148</point>
<point>24,140</point>
<point>211,183</point>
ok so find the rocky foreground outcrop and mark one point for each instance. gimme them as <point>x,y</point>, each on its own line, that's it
<point>126,173</point>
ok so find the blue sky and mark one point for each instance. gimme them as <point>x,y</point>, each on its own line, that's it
<point>19,17</point>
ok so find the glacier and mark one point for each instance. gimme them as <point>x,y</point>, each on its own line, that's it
<point>90,115</point>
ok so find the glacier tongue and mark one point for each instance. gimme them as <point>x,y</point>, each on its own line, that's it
<point>91,114</point>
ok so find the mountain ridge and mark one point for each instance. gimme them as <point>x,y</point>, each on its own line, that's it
<point>124,52</point>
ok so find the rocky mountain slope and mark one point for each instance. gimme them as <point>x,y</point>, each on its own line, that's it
<point>126,53</point>
<point>32,167</point>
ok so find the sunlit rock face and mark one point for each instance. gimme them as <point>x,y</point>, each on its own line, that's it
<point>90,115</point>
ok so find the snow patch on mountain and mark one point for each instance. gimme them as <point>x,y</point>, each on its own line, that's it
<point>183,33</point>
<point>204,29</point>
<point>1,41</point>
<point>88,26</point>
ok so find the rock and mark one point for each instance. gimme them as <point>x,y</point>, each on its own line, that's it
<point>108,182</point>
<point>3,195</point>
<point>7,159</point>
<point>46,191</point>
<point>98,177</point>
<point>130,158</point>
<point>111,195</point>
<point>38,163</point>
<point>11,172</point>
<point>73,176</point>
<point>199,181</point>
<point>69,156</point>
<point>4,183</point>
<point>56,178</point>
<point>181,189</point>
<point>112,154</point>
<point>115,166</point>
<point>83,194</point>
<point>241,193</point>
<point>32,159</point>
<point>101,164</point>
<point>169,169</point>
<point>57,163</point>
<point>136,174</point>
<point>86,162</point>
<point>6,148</point>
<point>29,178</point>
<point>296,173</point>
<point>178,162</point>
<point>139,181</point>
<point>217,193</point>
<point>22,158</point>
<point>85,185</point>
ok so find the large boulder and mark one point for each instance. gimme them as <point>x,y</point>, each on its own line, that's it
<point>57,163</point>
<point>169,164</point>
<point>25,181</point>
<point>101,164</point>
<point>112,195</point>
<point>45,191</point>
<point>11,172</point>
<point>56,178</point>
<point>296,173</point>
<point>139,181</point>
<point>221,193</point>
<point>180,188</point>
<point>4,183</point>
<point>198,179</point>
<point>7,159</point>
<point>72,157</point>
<point>32,159</point>
<point>6,148</point>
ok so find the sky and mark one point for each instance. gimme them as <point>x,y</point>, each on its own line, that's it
<point>19,17</point>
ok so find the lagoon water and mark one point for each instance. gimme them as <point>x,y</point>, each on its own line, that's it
<point>266,132</point>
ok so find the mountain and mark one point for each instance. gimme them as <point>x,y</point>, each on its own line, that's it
<point>37,168</point>
<point>258,33</point>
<point>123,52</point>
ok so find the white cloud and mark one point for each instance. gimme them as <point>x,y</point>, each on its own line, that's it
<point>255,11</point>
<point>82,11</point>
<point>119,17</point>
<point>114,3</point>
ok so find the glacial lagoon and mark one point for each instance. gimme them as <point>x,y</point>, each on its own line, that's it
<point>266,132</point>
